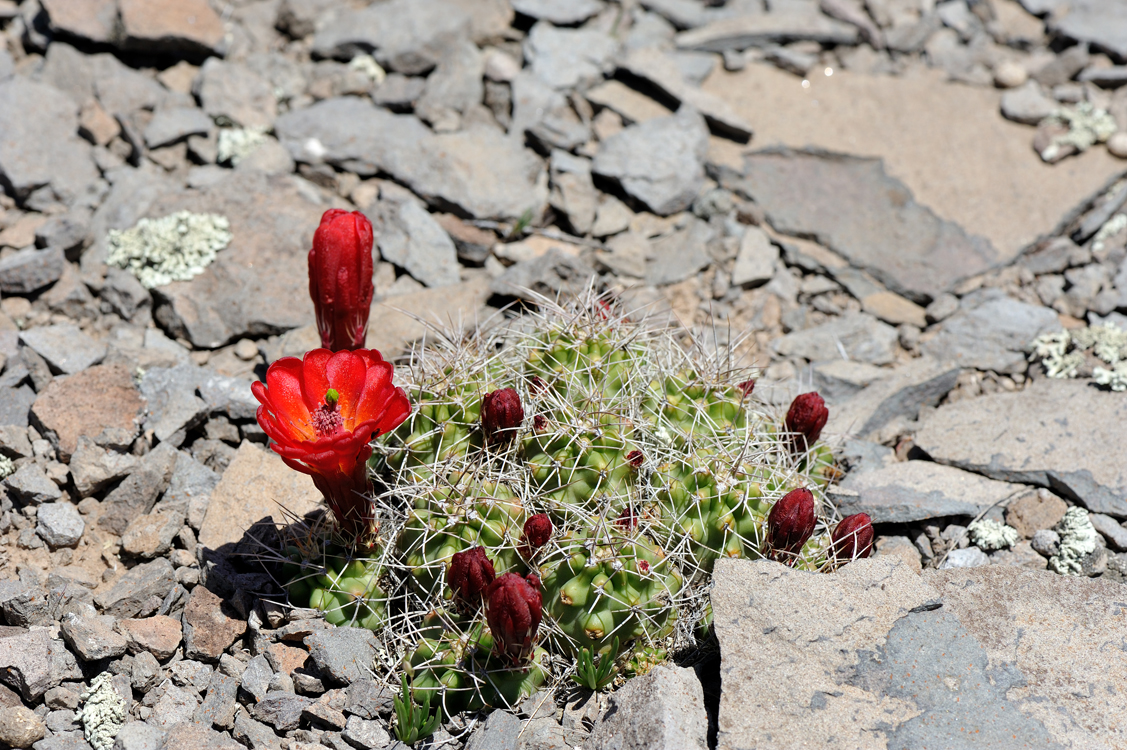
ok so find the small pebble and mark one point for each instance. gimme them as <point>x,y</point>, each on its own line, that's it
<point>1117,144</point>
<point>1010,74</point>
<point>246,350</point>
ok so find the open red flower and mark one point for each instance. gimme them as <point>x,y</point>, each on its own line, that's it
<point>322,412</point>
<point>340,278</point>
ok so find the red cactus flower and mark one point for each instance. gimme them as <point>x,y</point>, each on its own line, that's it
<point>746,387</point>
<point>628,519</point>
<point>321,413</point>
<point>789,524</point>
<point>540,423</point>
<point>513,609</point>
<point>469,576</point>
<point>853,538</point>
<point>635,458</point>
<point>806,417</point>
<point>501,415</point>
<point>340,278</point>
<point>537,531</point>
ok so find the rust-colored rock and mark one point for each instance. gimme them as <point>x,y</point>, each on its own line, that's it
<point>210,625</point>
<point>159,635</point>
<point>87,403</point>
<point>170,26</point>
<point>1035,511</point>
<point>285,658</point>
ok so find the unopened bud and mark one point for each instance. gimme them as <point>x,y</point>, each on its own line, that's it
<point>635,458</point>
<point>513,609</point>
<point>746,387</point>
<point>501,416</point>
<point>853,538</point>
<point>537,531</point>
<point>806,417</point>
<point>790,524</point>
<point>469,576</point>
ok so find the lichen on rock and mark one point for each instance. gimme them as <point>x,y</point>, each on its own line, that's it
<point>1063,353</point>
<point>236,144</point>
<point>990,535</point>
<point>177,247</point>
<point>1078,539</point>
<point>103,713</point>
<point>1086,125</point>
<point>7,467</point>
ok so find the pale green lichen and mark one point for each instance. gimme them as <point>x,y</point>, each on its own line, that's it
<point>1086,125</point>
<point>1077,541</point>
<point>236,144</point>
<point>7,467</point>
<point>367,65</point>
<point>1062,353</point>
<point>103,713</point>
<point>173,248</point>
<point>1111,227</point>
<point>990,535</point>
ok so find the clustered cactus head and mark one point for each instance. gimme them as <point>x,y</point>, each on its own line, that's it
<point>501,416</point>
<point>470,574</point>
<point>853,538</point>
<point>514,608</point>
<point>790,524</point>
<point>805,419</point>
<point>340,278</point>
<point>322,412</point>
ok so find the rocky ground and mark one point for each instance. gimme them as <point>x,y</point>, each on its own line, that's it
<point>885,201</point>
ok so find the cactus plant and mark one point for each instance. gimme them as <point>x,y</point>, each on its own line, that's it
<point>584,456</point>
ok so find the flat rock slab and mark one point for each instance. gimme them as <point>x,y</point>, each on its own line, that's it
<point>101,399</point>
<point>478,170</point>
<point>994,335</point>
<point>856,336</point>
<point>1061,434</point>
<point>851,205</point>
<point>256,484</point>
<point>926,131</point>
<point>257,285</point>
<point>898,395</point>
<point>877,656</point>
<point>909,491</point>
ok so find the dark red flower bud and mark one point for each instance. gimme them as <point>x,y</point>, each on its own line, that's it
<point>853,538</point>
<point>790,523</point>
<point>635,458</point>
<point>628,519</point>
<point>537,531</point>
<point>501,415</point>
<point>340,278</point>
<point>537,384</point>
<point>746,387</point>
<point>806,417</point>
<point>539,422</point>
<point>469,576</point>
<point>513,607</point>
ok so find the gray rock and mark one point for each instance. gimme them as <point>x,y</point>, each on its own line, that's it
<point>93,638</point>
<point>903,492</point>
<point>14,408</point>
<point>659,162</point>
<point>500,731</point>
<point>145,671</point>
<point>40,146</point>
<point>228,394</point>
<point>840,379</point>
<point>569,58</point>
<point>1111,530</point>
<point>173,407</point>
<point>92,467</point>
<point>454,88</point>
<point>1059,434</point>
<point>151,535</point>
<point>172,705</point>
<point>663,709</point>
<point>29,270</point>
<point>756,260</point>
<point>368,699</point>
<point>124,293</point>
<point>254,734</point>
<point>553,273</point>
<point>478,170</point>
<point>680,255</point>
<point>895,398</point>
<point>65,231</point>
<point>861,336</point>
<point>367,734</point>
<point>24,605</point>
<point>558,12</point>
<point>7,67</point>
<point>59,524</point>
<point>969,557</point>
<point>412,45</point>
<point>130,593</point>
<point>137,735</point>
<point>256,677</point>
<point>218,708</point>
<point>399,92</point>
<point>1046,542</point>
<point>32,662</point>
<point>233,91</point>
<point>853,207</point>
<point>280,710</point>
<point>174,124</point>
<point>190,489</point>
<point>992,336</point>
<point>20,726</point>
<point>65,347</point>
<point>573,191</point>
<point>189,735</point>
<point>30,485</point>
<point>804,23</point>
<point>138,493</point>
<point>416,242</point>
<point>342,655</point>
<point>1027,104</point>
